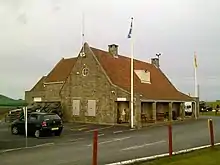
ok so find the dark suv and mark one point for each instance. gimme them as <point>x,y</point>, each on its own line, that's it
<point>38,123</point>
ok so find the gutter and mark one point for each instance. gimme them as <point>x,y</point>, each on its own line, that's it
<point>57,82</point>
<point>143,100</point>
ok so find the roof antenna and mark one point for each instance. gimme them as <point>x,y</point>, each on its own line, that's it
<point>83,35</point>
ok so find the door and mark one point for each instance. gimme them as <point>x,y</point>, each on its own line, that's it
<point>76,107</point>
<point>123,114</point>
<point>21,126</point>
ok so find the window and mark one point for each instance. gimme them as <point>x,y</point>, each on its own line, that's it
<point>91,111</point>
<point>143,75</point>
<point>188,106</point>
<point>85,71</point>
<point>37,99</point>
<point>33,117</point>
<point>51,117</point>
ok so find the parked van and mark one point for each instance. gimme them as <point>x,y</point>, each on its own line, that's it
<point>188,108</point>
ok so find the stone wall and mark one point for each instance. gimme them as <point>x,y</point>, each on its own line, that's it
<point>36,91</point>
<point>94,86</point>
<point>52,92</point>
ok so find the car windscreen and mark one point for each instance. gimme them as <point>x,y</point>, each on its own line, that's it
<point>51,117</point>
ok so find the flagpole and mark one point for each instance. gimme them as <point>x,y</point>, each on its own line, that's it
<point>25,109</point>
<point>196,81</point>
<point>132,81</point>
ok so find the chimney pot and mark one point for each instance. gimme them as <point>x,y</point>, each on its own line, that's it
<point>113,50</point>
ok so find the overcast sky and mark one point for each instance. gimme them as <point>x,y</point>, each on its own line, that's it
<point>36,34</point>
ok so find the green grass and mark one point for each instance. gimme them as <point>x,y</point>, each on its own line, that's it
<point>213,103</point>
<point>209,156</point>
<point>210,113</point>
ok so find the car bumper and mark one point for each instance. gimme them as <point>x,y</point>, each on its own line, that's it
<point>51,129</point>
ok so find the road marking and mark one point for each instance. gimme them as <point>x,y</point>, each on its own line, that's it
<point>82,128</point>
<point>120,139</point>
<point>41,145</point>
<point>118,132</point>
<point>99,129</point>
<point>36,146</point>
<point>144,145</point>
<point>79,128</point>
<point>74,140</point>
<point>110,141</point>
<point>101,134</point>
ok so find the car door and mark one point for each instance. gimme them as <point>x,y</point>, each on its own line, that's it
<point>32,122</point>
<point>21,125</point>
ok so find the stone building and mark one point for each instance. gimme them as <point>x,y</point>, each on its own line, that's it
<point>94,87</point>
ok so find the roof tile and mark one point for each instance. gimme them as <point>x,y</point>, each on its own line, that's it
<point>61,71</point>
<point>118,70</point>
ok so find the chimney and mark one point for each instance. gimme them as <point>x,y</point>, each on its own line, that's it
<point>113,50</point>
<point>155,61</point>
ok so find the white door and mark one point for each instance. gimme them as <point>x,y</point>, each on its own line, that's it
<point>76,107</point>
<point>91,108</point>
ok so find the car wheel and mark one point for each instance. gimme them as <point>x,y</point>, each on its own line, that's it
<point>14,130</point>
<point>37,133</point>
<point>57,133</point>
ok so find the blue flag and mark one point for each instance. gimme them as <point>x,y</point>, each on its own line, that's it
<point>130,30</point>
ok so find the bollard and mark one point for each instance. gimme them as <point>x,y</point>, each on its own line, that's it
<point>95,147</point>
<point>170,139</point>
<point>211,131</point>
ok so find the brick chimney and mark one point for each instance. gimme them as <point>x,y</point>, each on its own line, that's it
<point>155,61</point>
<point>113,50</point>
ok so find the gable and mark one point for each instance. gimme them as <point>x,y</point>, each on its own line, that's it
<point>39,86</point>
<point>86,77</point>
<point>61,71</point>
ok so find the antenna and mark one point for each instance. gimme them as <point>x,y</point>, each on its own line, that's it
<point>82,54</point>
<point>158,55</point>
<point>83,30</point>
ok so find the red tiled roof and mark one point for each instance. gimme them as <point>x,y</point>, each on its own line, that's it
<point>118,70</point>
<point>61,71</point>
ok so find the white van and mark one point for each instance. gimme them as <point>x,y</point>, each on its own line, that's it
<point>188,108</point>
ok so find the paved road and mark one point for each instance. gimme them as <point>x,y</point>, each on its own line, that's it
<point>116,146</point>
<point>71,133</point>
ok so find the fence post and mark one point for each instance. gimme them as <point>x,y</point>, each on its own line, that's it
<point>170,139</point>
<point>211,131</point>
<point>95,147</point>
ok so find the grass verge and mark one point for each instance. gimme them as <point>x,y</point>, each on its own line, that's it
<point>208,156</point>
<point>210,113</point>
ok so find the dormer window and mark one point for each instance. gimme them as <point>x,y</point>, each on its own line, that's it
<point>143,75</point>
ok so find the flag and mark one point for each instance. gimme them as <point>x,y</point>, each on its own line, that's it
<point>195,61</point>
<point>130,30</point>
